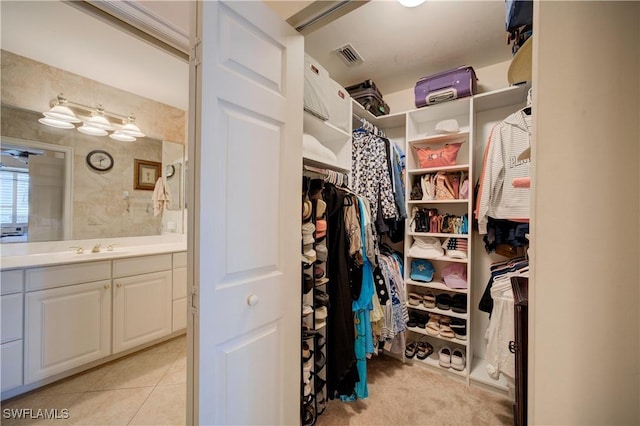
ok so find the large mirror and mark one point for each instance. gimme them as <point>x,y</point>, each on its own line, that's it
<point>50,190</point>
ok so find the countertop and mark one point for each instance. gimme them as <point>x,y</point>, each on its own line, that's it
<point>70,256</point>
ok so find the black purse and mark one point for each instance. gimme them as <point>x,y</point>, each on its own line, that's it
<point>416,191</point>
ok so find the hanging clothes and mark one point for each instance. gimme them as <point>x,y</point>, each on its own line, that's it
<point>370,173</point>
<point>342,373</point>
<point>505,160</point>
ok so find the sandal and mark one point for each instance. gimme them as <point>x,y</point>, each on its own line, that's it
<point>424,349</point>
<point>414,299</point>
<point>410,350</point>
<point>429,300</point>
<point>433,325</point>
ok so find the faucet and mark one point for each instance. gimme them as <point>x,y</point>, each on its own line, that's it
<point>96,248</point>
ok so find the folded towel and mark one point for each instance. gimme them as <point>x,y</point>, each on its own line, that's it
<point>161,197</point>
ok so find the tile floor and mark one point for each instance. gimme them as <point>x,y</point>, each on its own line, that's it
<point>145,388</point>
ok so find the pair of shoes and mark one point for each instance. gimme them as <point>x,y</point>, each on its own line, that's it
<point>410,349</point>
<point>424,349</point>
<point>459,303</point>
<point>429,300</point>
<point>444,301</point>
<point>452,359</point>
<point>414,299</point>
<point>433,325</point>
<point>459,327</point>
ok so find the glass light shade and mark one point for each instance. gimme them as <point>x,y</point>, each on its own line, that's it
<point>93,131</point>
<point>62,113</point>
<point>132,130</point>
<point>100,122</point>
<point>120,136</point>
<point>411,3</point>
<point>53,122</point>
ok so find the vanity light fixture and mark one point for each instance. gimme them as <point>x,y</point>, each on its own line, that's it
<point>95,121</point>
<point>411,3</point>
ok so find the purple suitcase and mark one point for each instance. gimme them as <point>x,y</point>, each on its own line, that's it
<point>445,86</point>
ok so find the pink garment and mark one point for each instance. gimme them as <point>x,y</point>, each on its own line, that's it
<point>521,182</point>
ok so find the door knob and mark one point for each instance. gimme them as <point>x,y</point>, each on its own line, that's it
<point>106,286</point>
<point>252,300</point>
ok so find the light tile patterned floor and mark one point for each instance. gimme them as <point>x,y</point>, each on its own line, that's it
<point>146,388</point>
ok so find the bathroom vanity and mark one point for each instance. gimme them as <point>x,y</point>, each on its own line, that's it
<point>66,312</point>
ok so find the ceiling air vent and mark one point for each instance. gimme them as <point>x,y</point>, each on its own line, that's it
<point>349,55</point>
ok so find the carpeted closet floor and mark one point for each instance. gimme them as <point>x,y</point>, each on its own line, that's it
<point>405,394</point>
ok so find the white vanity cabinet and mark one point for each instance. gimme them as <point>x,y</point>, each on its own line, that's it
<point>67,317</point>
<point>11,286</point>
<point>142,300</point>
<point>179,291</point>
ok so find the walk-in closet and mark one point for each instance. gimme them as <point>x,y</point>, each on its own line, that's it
<point>439,256</point>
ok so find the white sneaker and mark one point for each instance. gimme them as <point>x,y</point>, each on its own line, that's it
<point>458,360</point>
<point>444,357</point>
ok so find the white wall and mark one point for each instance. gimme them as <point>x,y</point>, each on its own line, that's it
<point>584,297</point>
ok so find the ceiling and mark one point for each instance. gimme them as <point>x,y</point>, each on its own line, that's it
<point>398,44</point>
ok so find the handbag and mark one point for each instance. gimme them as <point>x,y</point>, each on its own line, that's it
<point>416,190</point>
<point>446,155</point>
<point>445,189</point>
<point>429,186</point>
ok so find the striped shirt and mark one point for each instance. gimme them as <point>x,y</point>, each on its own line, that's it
<point>502,163</point>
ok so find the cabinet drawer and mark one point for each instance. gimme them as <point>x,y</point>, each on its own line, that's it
<point>58,276</point>
<point>11,354</point>
<point>11,281</point>
<point>141,265</point>
<point>11,317</point>
<point>180,260</point>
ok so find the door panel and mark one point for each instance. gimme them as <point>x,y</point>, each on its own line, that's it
<point>246,214</point>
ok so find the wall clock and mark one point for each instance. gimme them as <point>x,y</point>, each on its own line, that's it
<point>100,160</point>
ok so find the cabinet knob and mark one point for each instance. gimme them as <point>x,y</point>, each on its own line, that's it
<point>252,300</point>
<point>118,285</point>
<point>106,286</point>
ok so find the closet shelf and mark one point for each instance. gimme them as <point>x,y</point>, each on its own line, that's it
<point>323,165</point>
<point>422,331</point>
<point>479,374</point>
<point>383,121</point>
<point>323,130</point>
<point>444,258</point>
<point>448,313</point>
<point>437,201</point>
<point>457,167</point>
<point>437,234</point>
<point>435,285</point>
<point>440,139</point>
<point>507,96</point>
<point>432,361</point>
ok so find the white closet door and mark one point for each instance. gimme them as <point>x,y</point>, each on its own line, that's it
<point>246,223</point>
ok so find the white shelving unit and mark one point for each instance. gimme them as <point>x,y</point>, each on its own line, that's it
<point>420,132</point>
<point>331,137</point>
<point>475,115</point>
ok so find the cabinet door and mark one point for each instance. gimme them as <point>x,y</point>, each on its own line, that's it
<point>141,309</point>
<point>11,356</point>
<point>66,327</point>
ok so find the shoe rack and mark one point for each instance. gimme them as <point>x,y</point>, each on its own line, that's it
<point>314,303</point>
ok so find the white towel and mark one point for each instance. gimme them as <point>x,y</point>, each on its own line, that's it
<point>161,197</point>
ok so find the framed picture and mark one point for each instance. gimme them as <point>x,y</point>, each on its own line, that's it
<point>145,174</point>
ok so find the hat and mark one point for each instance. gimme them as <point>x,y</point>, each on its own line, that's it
<point>520,67</point>
<point>321,228</point>
<point>306,209</point>
<point>308,283</point>
<point>456,247</point>
<point>321,252</point>
<point>307,233</point>
<point>321,207</point>
<point>318,272</point>
<point>426,247</point>
<point>455,275</point>
<point>447,126</point>
<point>309,256</point>
<point>421,270</point>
